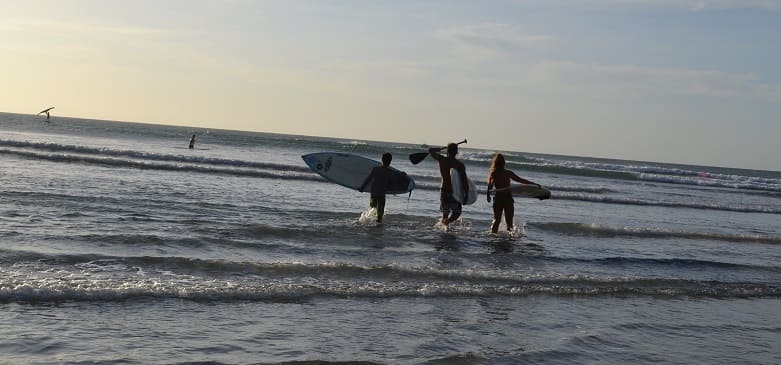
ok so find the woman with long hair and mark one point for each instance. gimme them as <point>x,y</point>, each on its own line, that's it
<point>503,201</point>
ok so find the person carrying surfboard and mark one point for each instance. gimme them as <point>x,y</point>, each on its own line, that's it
<point>449,206</point>
<point>382,176</point>
<point>503,201</point>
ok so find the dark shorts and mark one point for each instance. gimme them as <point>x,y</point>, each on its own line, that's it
<point>448,205</point>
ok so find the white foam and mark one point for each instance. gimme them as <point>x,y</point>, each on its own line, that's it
<point>368,217</point>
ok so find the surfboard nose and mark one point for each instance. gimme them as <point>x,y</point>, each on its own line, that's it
<point>313,161</point>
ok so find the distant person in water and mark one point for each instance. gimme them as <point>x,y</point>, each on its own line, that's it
<point>503,201</point>
<point>382,176</point>
<point>47,113</point>
<point>449,206</point>
<point>192,141</point>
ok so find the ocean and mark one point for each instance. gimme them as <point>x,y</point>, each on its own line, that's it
<point>118,245</point>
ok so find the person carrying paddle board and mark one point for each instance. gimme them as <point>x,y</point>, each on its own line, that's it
<point>382,176</point>
<point>503,201</point>
<point>449,206</point>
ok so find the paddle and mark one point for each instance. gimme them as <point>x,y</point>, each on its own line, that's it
<point>415,158</point>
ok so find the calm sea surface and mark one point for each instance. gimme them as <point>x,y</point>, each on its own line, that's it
<point>118,245</point>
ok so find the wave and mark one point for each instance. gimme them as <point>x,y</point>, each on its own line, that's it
<point>96,278</point>
<point>485,157</point>
<point>580,189</point>
<point>573,171</point>
<point>145,156</point>
<point>632,167</point>
<point>284,290</point>
<point>378,272</point>
<point>734,182</point>
<point>206,165</point>
<point>771,186</point>
<point>285,173</point>
<point>597,230</point>
<point>652,173</point>
<point>668,262</point>
<point>140,159</point>
<point>669,204</point>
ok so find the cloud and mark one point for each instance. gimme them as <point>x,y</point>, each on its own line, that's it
<point>627,80</point>
<point>491,39</point>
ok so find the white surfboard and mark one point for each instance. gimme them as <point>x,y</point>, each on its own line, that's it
<point>527,191</point>
<point>458,188</point>
<point>350,171</point>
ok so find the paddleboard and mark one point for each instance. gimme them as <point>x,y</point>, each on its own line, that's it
<point>350,171</point>
<point>527,191</point>
<point>458,188</point>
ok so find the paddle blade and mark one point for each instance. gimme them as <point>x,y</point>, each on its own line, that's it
<point>415,158</point>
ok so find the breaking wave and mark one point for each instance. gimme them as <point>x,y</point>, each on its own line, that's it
<point>669,204</point>
<point>37,278</point>
<point>639,232</point>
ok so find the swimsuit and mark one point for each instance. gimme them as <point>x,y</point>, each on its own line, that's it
<point>448,204</point>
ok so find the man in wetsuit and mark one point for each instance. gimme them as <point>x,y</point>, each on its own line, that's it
<point>449,206</point>
<point>382,179</point>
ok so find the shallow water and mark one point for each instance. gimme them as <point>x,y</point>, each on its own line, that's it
<point>119,246</point>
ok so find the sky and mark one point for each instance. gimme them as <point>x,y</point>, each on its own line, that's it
<point>681,81</point>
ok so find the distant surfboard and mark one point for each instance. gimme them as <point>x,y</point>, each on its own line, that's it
<point>458,189</point>
<point>350,171</point>
<point>527,191</point>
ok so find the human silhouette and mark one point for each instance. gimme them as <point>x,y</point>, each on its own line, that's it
<point>47,113</point>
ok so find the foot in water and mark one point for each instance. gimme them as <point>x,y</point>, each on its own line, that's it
<point>442,227</point>
<point>369,217</point>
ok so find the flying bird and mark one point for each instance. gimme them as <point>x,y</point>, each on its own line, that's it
<point>47,113</point>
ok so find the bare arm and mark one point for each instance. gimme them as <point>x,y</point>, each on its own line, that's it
<point>521,180</point>
<point>434,152</point>
<point>490,186</point>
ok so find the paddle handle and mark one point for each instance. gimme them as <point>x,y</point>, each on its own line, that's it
<point>415,158</point>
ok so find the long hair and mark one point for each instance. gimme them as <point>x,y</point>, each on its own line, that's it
<point>497,164</point>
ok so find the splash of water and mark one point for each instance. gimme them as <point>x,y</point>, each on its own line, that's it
<point>368,217</point>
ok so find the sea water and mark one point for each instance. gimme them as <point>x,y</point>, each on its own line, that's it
<point>119,245</point>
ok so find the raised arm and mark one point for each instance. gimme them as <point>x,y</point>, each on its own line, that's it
<point>434,152</point>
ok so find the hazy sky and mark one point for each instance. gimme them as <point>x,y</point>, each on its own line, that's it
<point>692,81</point>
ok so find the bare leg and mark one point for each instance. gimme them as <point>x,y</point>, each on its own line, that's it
<point>509,210</point>
<point>453,218</point>
<point>380,209</point>
<point>497,218</point>
<point>455,214</point>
